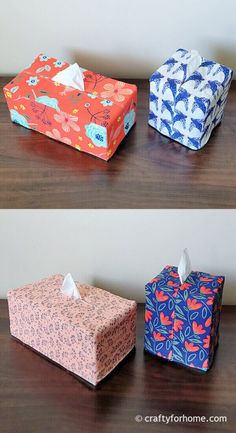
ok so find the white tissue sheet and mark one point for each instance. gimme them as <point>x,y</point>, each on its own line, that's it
<point>184,268</point>
<point>69,287</point>
<point>71,77</point>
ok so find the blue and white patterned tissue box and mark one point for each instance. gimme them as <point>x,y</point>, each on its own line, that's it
<point>187,97</point>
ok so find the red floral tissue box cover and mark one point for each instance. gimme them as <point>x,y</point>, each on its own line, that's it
<point>94,121</point>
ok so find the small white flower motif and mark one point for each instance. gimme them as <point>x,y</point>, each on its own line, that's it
<point>106,103</point>
<point>58,64</point>
<point>43,58</point>
<point>91,95</point>
<point>32,81</point>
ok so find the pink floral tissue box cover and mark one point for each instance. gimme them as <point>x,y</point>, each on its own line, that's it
<point>88,337</point>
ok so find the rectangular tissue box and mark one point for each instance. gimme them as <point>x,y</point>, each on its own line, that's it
<point>88,337</point>
<point>187,97</point>
<point>94,121</point>
<point>182,320</point>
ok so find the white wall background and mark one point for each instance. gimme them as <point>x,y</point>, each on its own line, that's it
<point>116,37</point>
<point>116,250</point>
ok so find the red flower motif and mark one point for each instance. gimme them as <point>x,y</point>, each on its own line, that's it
<point>193,304</point>
<point>205,290</point>
<point>190,347</point>
<point>185,286</point>
<point>154,280</point>
<point>208,322</point>
<point>164,319</point>
<point>171,283</point>
<point>206,342</point>
<point>171,334</point>
<point>174,274</point>
<point>170,354</point>
<point>158,336</point>
<point>210,300</point>
<point>198,329</point>
<point>206,279</point>
<point>205,364</point>
<point>148,315</point>
<point>178,325</point>
<point>160,296</point>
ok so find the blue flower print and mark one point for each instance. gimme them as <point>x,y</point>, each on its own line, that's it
<point>50,102</point>
<point>129,121</point>
<point>97,133</point>
<point>58,64</point>
<point>18,118</point>
<point>43,58</point>
<point>32,81</point>
<point>107,103</point>
<point>91,95</point>
<point>14,89</point>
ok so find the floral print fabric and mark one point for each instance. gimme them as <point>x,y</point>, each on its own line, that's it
<point>88,337</point>
<point>94,121</point>
<point>182,321</point>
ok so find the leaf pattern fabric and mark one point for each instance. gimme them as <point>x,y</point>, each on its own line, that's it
<point>182,321</point>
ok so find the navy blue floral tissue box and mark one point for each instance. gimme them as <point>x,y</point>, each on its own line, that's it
<point>182,320</point>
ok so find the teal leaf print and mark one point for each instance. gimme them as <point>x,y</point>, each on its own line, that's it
<point>178,309</point>
<point>168,344</point>
<point>187,331</point>
<point>159,346</point>
<point>181,336</point>
<point>171,304</point>
<point>191,357</point>
<point>149,304</point>
<point>151,326</point>
<point>194,315</point>
<point>204,313</point>
<point>155,323</point>
<point>161,307</point>
<point>185,294</point>
<point>177,358</point>
<point>201,355</point>
<point>177,351</point>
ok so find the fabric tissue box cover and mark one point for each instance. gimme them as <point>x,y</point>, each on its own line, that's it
<point>182,321</point>
<point>187,97</point>
<point>88,337</point>
<point>94,120</point>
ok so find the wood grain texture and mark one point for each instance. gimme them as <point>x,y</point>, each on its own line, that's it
<point>36,396</point>
<point>147,171</point>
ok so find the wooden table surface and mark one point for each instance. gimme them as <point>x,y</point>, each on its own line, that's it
<point>37,397</point>
<point>147,171</point>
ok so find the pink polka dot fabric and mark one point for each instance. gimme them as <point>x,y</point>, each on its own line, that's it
<point>88,337</point>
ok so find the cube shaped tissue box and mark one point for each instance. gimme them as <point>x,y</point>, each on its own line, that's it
<point>94,120</point>
<point>88,336</point>
<point>182,320</point>
<point>187,97</point>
